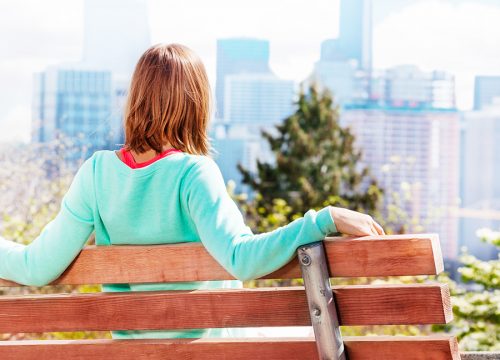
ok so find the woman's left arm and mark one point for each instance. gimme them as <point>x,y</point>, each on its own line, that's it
<point>46,258</point>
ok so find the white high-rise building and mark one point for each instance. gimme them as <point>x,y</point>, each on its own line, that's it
<point>486,91</point>
<point>262,99</point>
<point>480,178</point>
<point>238,56</point>
<point>347,83</point>
<point>84,101</point>
<point>404,87</point>
<point>414,153</point>
<point>252,103</point>
<point>407,86</point>
<point>76,103</point>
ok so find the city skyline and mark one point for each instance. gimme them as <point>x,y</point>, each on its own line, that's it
<point>286,59</point>
<point>415,107</point>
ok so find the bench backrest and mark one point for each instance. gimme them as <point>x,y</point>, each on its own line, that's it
<point>427,303</point>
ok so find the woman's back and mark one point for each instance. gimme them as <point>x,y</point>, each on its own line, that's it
<point>146,206</point>
<point>142,206</point>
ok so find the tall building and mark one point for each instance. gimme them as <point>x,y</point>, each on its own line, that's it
<point>77,104</point>
<point>236,56</point>
<point>415,154</point>
<point>407,86</point>
<point>398,87</point>
<point>486,90</point>
<point>480,178</point>
<point>116,33</point>
<point>341,77</point>
<point>345,65</point>
<point>84,101</point>
<point>250,98</point>
<point>260,99</point>
<point>355,31</point>
<point>355,35</point>
<point>253,102</point>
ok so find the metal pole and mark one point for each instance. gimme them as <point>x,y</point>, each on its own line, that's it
<point>321,302</point>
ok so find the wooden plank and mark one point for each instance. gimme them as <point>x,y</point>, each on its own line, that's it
<point>435,347</point>
<point>396,304</point>
<point>357,305</point>
<point>393,255</point>
<point>359,348</point>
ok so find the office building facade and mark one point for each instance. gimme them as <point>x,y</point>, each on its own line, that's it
<point>480,179</point>
<point>238,56</point>
<point>76,104</point>
<point>414,155</point>
<point>486,91</point>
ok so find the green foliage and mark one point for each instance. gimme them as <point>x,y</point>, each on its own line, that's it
<point>476,305</point>
<point>315,164</point>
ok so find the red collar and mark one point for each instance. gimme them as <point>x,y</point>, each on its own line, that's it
<point>129,160</point>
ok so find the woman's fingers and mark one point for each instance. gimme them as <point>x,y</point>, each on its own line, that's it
<point>354,223</point>
<point>379,228</point>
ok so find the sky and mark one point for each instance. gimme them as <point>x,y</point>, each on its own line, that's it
<point>459,36</point>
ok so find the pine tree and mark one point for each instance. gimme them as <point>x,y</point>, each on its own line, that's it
<point>315,164</point>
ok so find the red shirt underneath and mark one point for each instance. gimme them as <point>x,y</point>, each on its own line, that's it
<point>128,159</point>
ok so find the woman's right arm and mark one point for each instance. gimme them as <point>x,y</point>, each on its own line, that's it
<point>245,255</point>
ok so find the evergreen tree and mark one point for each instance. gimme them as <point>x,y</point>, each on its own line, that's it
<point>315,164</point>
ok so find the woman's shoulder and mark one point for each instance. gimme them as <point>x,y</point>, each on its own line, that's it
<point>203,163</point>
<point>200,169</point>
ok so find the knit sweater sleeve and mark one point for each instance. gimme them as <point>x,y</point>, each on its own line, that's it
<point>222,230</point>
<point>46,257</point>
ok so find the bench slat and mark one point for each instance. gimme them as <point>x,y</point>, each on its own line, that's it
<point>391,255</point>
<point>357,305</point>
<point>358,348</point>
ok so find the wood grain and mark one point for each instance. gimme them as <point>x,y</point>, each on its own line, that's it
<point>435,347</point>
<point>394,255</point>
<point>357,305</point>
<point>364,348</point>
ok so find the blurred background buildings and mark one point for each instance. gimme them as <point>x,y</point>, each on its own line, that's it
<point>84,100</point>
<point>405,119</point>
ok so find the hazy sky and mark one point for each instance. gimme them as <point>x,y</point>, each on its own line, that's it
<point>460,36</point>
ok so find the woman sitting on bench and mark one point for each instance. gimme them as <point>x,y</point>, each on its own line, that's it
<point>162,187</point>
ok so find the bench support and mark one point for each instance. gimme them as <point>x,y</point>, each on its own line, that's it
<point>321,302</point>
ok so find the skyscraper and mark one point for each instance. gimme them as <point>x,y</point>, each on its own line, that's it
<point>250,98</point>
<point>480,174</point>
<point>398,87</point>
<point>115,45</point>
<point>342,78</point>
<point>415,154</point>
<point>345,64</point>
<point>356,31</point>
<point>77,104</point>
<point>236,56</point>
<point>407,86</point>
<point>486,91</point>
<point>259,99</point>
<point>355,35</point>
<point>84,101</point>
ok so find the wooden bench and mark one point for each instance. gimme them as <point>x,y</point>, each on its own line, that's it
<point>427,303</point>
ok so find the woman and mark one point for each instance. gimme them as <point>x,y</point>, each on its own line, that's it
<point>162,187</point>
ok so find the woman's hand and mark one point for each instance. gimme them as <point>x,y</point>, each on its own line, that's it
<point>354,223</point>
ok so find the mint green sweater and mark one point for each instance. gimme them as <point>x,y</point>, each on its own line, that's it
<point>180,198</point>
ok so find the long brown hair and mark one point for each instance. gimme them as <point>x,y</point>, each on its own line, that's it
<point>168,101</point>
